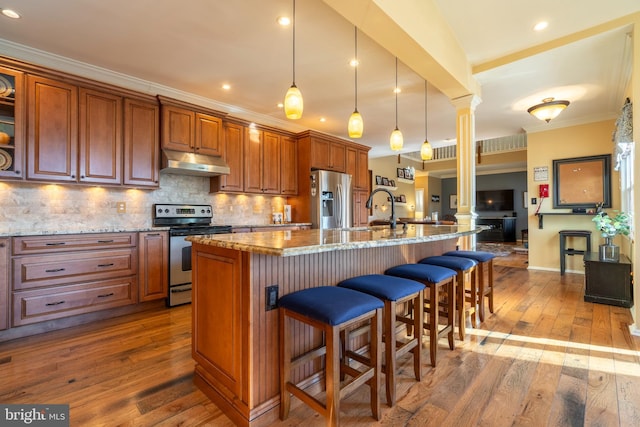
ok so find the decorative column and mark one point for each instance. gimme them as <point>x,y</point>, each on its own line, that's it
<point>466,164</point>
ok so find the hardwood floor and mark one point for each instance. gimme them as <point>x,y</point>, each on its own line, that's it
<point>545,357</point>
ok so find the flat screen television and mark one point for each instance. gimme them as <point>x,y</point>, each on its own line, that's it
<point>494,200</point>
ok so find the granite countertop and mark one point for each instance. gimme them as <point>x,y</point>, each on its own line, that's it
<point>287,224</point>
<point>301,242</point>
<point>20,233</point>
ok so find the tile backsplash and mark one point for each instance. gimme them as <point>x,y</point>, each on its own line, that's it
<point>50,207</point>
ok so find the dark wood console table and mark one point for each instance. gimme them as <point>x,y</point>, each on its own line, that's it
<point>501,229</point>
<point>607,282</point>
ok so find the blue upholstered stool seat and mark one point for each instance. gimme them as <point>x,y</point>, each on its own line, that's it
<point>454,263</point>
<point>436,279</point>
<point>383,287</point>
<point>395,291</point>
<point>330,304</point>
<point>432,274</point>
<point>478,256</point>
<point>333,311</point>
<point>485,287</point>
<point>462,266</point>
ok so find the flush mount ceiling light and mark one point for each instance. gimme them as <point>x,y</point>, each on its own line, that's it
<point>426,151</point>
<point>548,110</point>
<point>293,104</point>
<point>356,124</point>
<point>396,141</point>
<point>10,13</point>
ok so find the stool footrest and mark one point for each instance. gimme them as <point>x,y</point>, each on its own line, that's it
<point>312,354</point>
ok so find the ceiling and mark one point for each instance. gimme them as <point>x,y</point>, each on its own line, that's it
<point>189,49</point>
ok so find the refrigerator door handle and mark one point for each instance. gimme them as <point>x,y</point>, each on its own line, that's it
<point>338,202</point>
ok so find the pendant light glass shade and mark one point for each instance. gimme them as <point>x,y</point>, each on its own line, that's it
<point>396,141</point>
<point>356,124</point>
<point>426,152</point>
<point>293,104</point>
<point>548,110</point>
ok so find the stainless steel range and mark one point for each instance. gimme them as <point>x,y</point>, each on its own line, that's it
<point>183,220</point>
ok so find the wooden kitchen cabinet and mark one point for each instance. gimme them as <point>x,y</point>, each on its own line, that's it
<point>288,166</point>
<point>82,134</point>
<point>65,275</point>
<point>234,157</point>
<point>358,168</point>
<point>153,270</point>
<point>52,136</point>
<point>100,137</point>
<point>360,211</point>
<point>191,131</point>
<point>141,143</point>
<point>328,155</point>
<point>261,161</point>
<point>4,284</point>
<point>12,123</point>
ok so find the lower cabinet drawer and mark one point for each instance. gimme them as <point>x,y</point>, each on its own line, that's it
<point>45,270</point>
<point>61,301</point>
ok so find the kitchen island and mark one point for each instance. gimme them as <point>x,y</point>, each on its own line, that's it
<point>235,323</point>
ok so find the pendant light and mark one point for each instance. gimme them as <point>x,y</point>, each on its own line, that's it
<point>293,104</point>
<point>356,124</point>
<point>396,141</point>
<point>426,152</point>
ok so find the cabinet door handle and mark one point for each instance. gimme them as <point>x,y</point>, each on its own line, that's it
<point>105,265</point>
<point>105,241</point>
<point>153,234</point>
<point>55,303</point>
<point>54,270</point>
<point>55,244</point>
<point>106,295</point>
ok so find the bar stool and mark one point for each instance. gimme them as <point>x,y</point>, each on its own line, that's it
<point>464,267</point>
<point>586,234</point>
<point>394,291</point>
<point>485,289</point>
<point>332,310</point>
<point>436,303</point>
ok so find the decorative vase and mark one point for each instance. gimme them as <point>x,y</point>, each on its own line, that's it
<point>609,251</point>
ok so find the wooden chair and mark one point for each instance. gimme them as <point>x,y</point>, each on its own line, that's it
<point>394,292</point>
<point>331,310</point>
<point>438,301</point>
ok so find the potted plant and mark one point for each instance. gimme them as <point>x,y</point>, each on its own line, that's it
<point>609,228</point>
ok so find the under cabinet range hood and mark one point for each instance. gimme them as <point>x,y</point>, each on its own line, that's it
<point>177,162</point>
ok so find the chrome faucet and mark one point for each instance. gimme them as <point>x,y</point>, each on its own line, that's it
<point>392,220</point>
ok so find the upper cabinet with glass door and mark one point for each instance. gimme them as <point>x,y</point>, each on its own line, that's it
<point>11,123</point>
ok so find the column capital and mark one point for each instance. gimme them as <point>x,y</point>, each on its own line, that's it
<point>468,101</point>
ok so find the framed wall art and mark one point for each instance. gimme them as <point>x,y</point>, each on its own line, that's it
<point>582,182</point>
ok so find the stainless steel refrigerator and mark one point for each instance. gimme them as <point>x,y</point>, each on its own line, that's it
<point>331,200</point>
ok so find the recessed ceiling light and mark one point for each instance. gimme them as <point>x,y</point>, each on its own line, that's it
<point>10,13</point>
<point>322,119</point>
<point>541,25</point>
<point>284,20</point>
<point>280,105</point>
<point>397,90</point>
<point>226,86</point>
<point>354,62</point>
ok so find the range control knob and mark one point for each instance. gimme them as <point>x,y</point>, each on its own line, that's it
<point>166,211</point>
